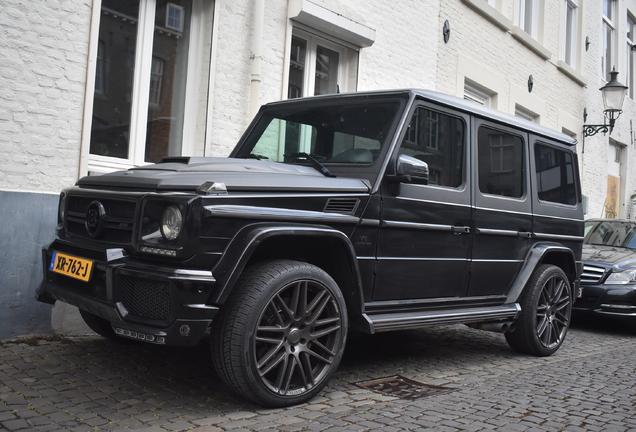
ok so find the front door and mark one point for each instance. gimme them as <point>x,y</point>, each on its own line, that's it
<point>424,239</point>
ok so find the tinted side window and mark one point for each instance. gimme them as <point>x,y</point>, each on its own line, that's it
<point>500,157</point>
<point>439,140</point>
<point>555,175</point>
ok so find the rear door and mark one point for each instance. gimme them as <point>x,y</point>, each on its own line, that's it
<point>503,207</point>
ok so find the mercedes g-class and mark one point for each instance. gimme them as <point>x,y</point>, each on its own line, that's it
<point>372,211</point>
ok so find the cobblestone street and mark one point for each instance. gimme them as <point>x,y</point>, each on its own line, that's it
<point>85,384</point>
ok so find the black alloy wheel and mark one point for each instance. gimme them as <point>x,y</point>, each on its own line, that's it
<point>283,334</point>
<point>546,310</point>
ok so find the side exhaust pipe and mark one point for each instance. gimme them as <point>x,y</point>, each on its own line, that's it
<point>494,326</point>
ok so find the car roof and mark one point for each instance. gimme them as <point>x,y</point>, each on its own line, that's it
<point>451,102</point>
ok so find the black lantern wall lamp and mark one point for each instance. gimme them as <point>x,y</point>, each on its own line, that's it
<point>613,97</point>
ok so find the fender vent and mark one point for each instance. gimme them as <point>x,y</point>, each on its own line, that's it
<point>342,205</point>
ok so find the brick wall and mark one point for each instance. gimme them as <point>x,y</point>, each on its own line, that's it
<point>43,46</point>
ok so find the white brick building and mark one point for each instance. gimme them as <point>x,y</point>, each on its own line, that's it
<point>88,86</point>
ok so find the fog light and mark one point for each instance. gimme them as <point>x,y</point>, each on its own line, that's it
<point>140,336</point>
<point>184,330</point>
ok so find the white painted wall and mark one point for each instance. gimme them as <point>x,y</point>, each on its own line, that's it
<point>43,47</point>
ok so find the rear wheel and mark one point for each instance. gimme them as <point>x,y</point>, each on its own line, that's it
<point>282,334</point>
<point>546,310</point>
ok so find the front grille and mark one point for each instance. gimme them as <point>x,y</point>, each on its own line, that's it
<point>145,298</point>
<point>592,274</point>
<point>118,219</point>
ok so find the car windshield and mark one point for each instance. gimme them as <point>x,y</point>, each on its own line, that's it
<point>611,233</point>
<point>342,133</point>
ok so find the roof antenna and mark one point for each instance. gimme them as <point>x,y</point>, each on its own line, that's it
<point>337,88</point>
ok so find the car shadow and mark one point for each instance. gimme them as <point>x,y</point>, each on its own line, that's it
<point>602,325</point>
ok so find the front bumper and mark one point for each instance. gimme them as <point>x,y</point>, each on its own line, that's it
<point>150,302</point>
<point>618,301</point>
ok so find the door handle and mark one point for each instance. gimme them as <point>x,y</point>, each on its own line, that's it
<point>458,230</point>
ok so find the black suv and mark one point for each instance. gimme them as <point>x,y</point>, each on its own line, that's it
<point>375,211</point>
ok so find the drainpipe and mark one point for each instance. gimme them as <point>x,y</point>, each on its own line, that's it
<point>259,18</point>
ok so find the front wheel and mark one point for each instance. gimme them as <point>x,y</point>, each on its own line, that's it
<point>282,334</point>
<point>546,310</point>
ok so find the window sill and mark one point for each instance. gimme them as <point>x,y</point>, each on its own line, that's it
<point>331,23</point>
<point>490,13</point>
<point>569,71</point>
<point>531,43</point>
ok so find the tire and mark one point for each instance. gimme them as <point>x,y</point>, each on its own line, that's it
<point>103,328</point>
<point>546,311</point>
<point>282,333</point>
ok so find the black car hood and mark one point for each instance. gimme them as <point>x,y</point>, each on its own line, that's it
<point>610,255</point>
<point>188,173</point>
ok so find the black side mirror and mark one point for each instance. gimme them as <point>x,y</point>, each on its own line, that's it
<point>412,170</point>
<point>408,170</point>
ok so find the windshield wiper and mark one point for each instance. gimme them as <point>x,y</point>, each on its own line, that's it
<point>255,156</point>
<point>316,163</point>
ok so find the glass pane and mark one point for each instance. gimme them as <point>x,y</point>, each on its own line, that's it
<point>351,133</point>
<point>326,71</point>
<point>110,131</point>
<point>610,233</point>
<point>607,9</point>
<point>438,140</point>
<point>630,71</point>
<point>296,86</point>
<point>570,34</point>
<point>168,79</point>
<point>500,163</point>
<point>528,16</point>
<point>607,53</point>
<point>555,175</point>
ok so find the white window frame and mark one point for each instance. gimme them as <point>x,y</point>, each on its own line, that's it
<point>529,10</point>
<point>571,31</point>
<point>173,7</point>
<point>140,92</point>
<point>609,45</point>
<point>309,75</point>
<point>476,94</point>
<point>525,114</point>
<point>631,54</point>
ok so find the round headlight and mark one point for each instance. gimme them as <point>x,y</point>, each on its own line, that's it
<point>171,222</point>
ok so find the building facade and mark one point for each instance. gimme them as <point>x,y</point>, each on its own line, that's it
<point>91,86</point>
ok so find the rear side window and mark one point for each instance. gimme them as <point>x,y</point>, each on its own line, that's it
<point>500,163</point>
<point>555,175</point>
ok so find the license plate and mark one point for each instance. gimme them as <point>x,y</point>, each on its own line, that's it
<point>75,267</point>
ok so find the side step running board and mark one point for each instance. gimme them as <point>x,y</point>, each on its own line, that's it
<point>406,320</point>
